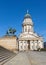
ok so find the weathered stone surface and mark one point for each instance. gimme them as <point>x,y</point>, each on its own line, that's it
<point>28,58</point>
<point>20,59</point>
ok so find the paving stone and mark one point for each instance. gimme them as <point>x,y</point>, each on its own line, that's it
<point>28,58</point>
<point>20,59</point>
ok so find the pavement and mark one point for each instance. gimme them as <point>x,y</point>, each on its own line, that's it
<point>37,58</point>
<point>28,58</point>
<point>20,59</point>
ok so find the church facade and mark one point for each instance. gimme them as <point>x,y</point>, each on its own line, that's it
<point>28,39</point>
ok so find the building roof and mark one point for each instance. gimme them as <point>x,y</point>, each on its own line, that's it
<point>29,36</point>
<point>27,19</point>
<point>27,16</point>
<point>8,37</point>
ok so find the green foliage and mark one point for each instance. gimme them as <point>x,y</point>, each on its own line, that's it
<point>38,49</point>
<point>43,49</point>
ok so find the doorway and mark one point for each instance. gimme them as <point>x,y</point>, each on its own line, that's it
<point>28,44</point>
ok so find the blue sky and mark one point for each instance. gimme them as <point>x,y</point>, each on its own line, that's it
<point>12,14</point>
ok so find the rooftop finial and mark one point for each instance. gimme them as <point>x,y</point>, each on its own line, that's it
<point>27,11</point>
<point>27,15</point>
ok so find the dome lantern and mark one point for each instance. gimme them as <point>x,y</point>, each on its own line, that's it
<point>27,15</point>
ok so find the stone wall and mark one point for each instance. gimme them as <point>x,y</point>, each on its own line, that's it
<point>9,43</point>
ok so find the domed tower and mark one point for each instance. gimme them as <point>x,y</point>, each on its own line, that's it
<point>28,40</point>
<point>27,23</point>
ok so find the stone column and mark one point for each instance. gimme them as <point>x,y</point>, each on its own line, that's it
<point>35,45</point>
<point>20,45</point>
<point>40,44</point>
<point>31,45</point>
<point>23,45</point>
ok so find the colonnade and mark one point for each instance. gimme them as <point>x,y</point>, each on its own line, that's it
<point>34,45</point>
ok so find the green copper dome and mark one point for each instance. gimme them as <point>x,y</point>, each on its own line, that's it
<point>27,16</point>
